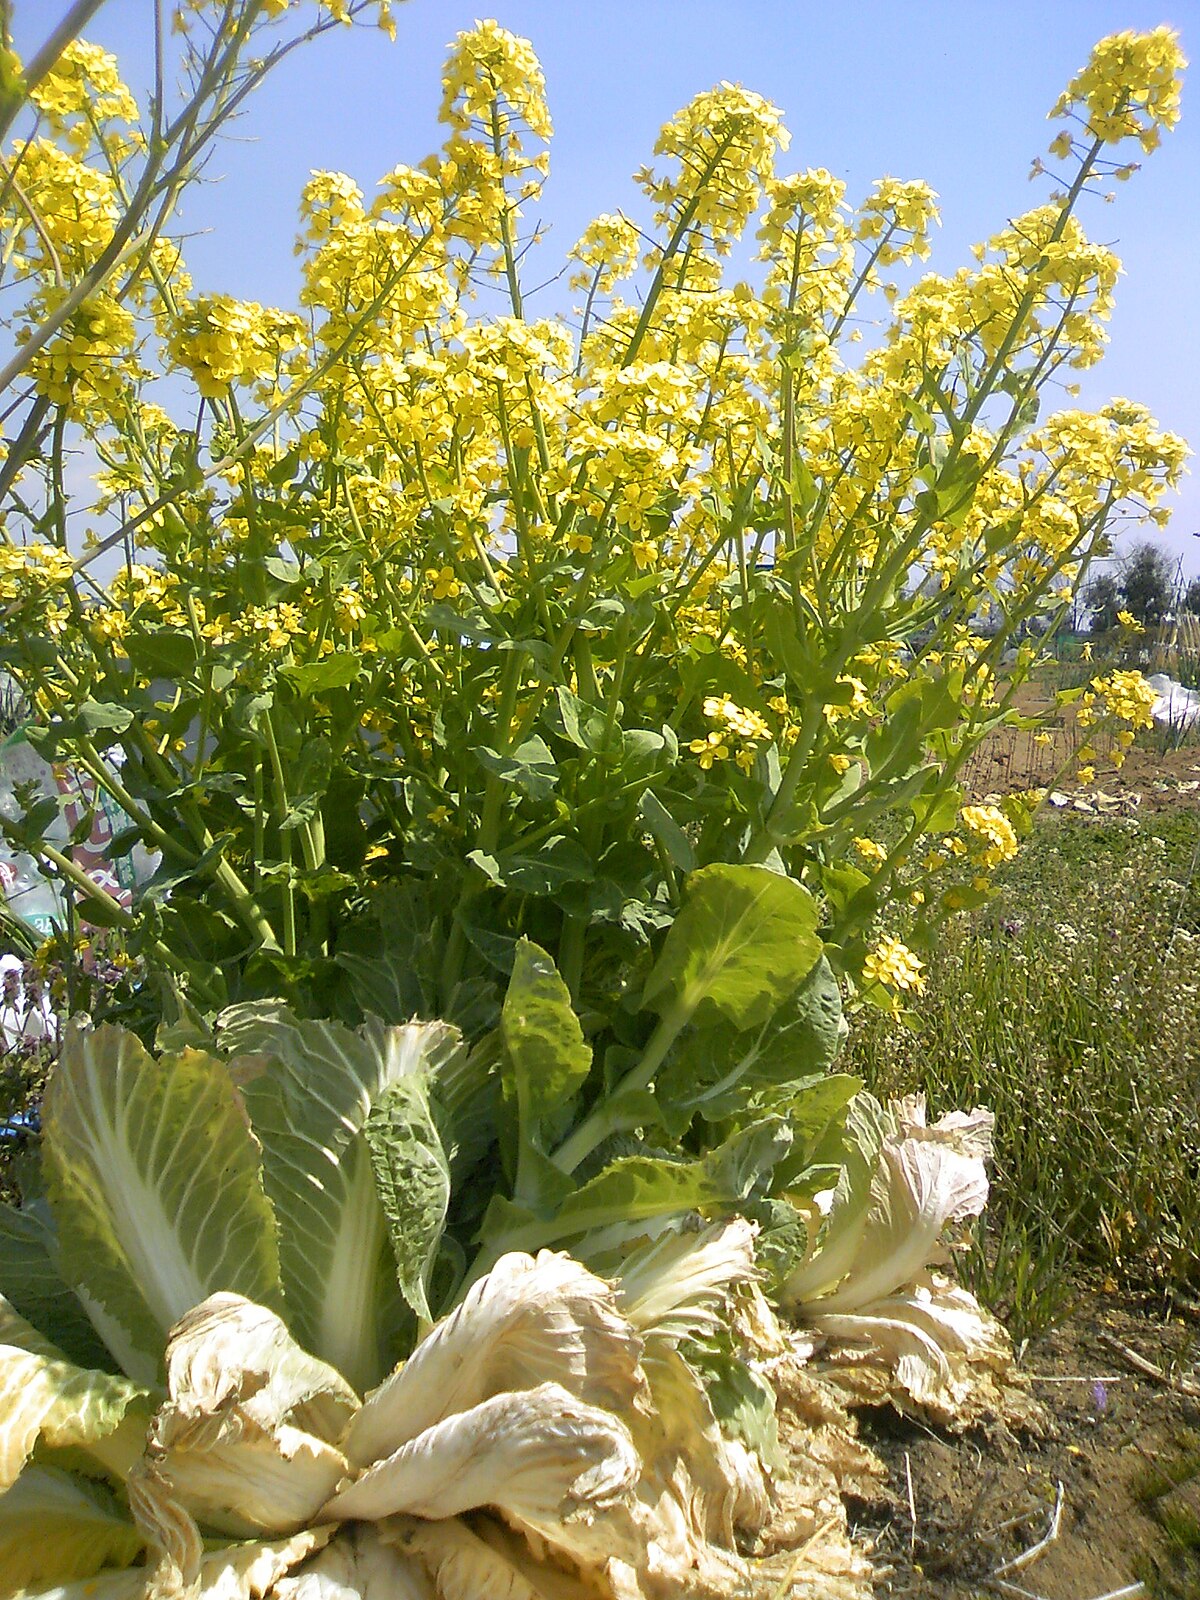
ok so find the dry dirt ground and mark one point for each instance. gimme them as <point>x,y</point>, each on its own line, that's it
<point>1119,1455</point>
<point>1152,778</point>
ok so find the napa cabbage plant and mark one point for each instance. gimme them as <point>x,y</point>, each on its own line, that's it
<point>298,1304</point>
<point>218,1372</point>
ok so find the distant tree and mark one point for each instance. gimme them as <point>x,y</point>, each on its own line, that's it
<point>1148,583</point>
<point>1143,585</point>
<point>1104,599</point>
<point>1191,600</point>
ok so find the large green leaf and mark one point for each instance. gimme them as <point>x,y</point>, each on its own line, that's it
<point>466,1098</point>
<point>30,1278</point>
<point>412,1177</point>
<point>309,1089</point>
<point>546,1059</point>
<point>45,1399</point>
<point>155,1183</point>
<point>54,1529</point>
<point>721,1072</point>
<point>634,1189</point>
<point>743,941</point>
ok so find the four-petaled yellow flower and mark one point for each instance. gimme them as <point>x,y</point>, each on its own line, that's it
<point>711,749</point>
<point>445,582</point>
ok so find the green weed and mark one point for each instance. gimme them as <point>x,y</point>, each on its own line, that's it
<point>1072,1009</point>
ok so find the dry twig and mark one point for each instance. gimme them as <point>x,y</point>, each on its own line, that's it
<point>1141,1364</point>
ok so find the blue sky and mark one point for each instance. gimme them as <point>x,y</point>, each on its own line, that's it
<point>952,91</point>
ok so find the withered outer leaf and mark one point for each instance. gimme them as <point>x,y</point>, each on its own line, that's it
<point>183,1571</point>
<point>226,1447</point>
<point>358,1565</point>
<point>539,1454</point>
<point>527,1322</point>
<point>718,1488</point>
<point>230,1350</point>
<point>485,1558</point>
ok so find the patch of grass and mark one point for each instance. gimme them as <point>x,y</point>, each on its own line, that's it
<point>1158,1478</point>
<point>1072,1009</point>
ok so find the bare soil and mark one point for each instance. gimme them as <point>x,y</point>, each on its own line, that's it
<point>1119,1454</point>
<point>1152,778</point>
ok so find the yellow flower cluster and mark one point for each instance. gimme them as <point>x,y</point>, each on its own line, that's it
<point>725,142</point>
<point>899,216</point>
<point>221,341</point>
<point>30,571</point>
<point>994,837</point>
<point>607,251</point>
<point>734,724</point>
<point>1128,90</point>
<point>1127,696</point>
<point>488,66</point>
<point>894,965</point>
<point>85,363</point>
<point>82,88</point>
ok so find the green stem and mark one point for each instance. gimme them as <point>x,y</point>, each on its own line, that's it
<point>601,1122</point>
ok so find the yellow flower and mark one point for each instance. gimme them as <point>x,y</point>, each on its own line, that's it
<point>869,850</point>
<point>348,608</point>
<point>445,583</point>
<point>839,763</point>
<point>893,964</point>
<point>1129,622</point>
<point>1128,696</point>
<point>1086,774</point>
<point>1129,88</point>
<point>709,750</point>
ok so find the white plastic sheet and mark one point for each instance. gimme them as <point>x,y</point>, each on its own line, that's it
<point>1176,707</point>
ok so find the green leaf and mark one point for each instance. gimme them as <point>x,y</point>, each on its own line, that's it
<point>811,1113</point>
<point>338,670</point>
<point>161,655</point>
<point>48,1401</point>
<point>155,1183</point>
<point>555,862</point>
<point>719,1071</point>
<point>309,1091</point>
<point>636,1188</point>
<point>667,831</point>
<point>547,1060</point>
<point>858,1148</point>
<point>742,1402</point>
<point>412,1176</point>
<point>744,939</point>
<point>573,713</point>
<point>96,716</point>
<point>631,1189</point>
<point>748,1156</point>
<point>531,766</point>
<point>30,1278</point>
<point>55,1530</point>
